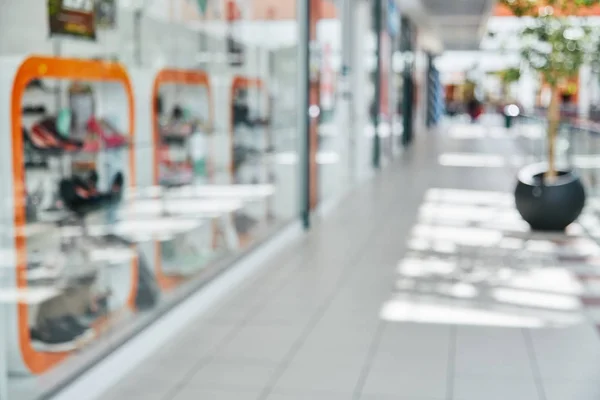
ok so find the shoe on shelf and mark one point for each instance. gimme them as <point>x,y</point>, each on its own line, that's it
<point>176,175</point>
<point>175,132</point>
<point>244,223</point>
<point>116,188</point>
<point>82,197</point>
<point>37,141</point>
<point>53,338</point>
<point>81,330</point>
<point>110,136</point>
<point>91,145</point>
<point>44,135</point>
<point>79,197</point>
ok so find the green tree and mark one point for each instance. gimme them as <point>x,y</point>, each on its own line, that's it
<point>508,76</point>
<point>556,44</point>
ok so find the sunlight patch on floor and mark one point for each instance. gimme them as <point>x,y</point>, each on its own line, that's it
<point>472,260</point>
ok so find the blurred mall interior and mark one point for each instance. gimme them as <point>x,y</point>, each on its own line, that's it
<point>300,199</point>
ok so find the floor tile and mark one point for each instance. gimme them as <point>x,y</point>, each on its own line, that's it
<point>234,375</point>
<point>491,353</point>
<point>571,390</point>
<point>415,384</point>
<point>269,343</point>
<point>495,389</point>
<point>322,373</point>
<point>193,393</point>
<point>570,353</point>
<point>384,397</point>
<point>414,341</point>
<point>307,394</point>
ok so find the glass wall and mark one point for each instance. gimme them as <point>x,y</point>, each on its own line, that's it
<point>145,144</point>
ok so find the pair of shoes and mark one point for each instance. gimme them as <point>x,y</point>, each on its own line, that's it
<point>60,334</point>
<point>81,195</point>
<point>44,136</point>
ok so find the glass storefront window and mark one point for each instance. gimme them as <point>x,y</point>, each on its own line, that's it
<point>141,151</point>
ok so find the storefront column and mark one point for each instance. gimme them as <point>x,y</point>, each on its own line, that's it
<point>431,95</point>
<point>304,119</point>
<point>377,11</point>
<point>346,119</point>
<point>406,47</point>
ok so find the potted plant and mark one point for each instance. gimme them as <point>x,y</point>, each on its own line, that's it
<point>555,44</point>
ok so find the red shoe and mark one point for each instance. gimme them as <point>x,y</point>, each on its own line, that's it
<point>44,136</point>
<point>91,146</point>
<point>110,136</point>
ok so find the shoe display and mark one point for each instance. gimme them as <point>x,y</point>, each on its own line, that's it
<point>80,330</point>
<point>81,196</point>
<point>61,334</point>
<point>110,136</point>
<point>44,135</point>
<point>34,110</point>
<point>244,223</point>
<point>176,132</point>
<point>176,175</point>
<point>53,337</point>
<point>242,154</point>
<point>91,145</point>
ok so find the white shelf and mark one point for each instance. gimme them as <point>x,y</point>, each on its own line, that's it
<point>30,296</point>
<point>239,192</point>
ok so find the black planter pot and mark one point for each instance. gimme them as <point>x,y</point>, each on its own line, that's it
<point>549,206</point>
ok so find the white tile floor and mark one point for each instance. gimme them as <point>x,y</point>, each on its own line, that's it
<point>411,290</point>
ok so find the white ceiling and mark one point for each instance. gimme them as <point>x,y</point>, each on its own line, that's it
<point>457,24</point>
<point>460,23</point>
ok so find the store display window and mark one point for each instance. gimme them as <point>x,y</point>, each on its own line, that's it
<point>252,151</point>
<point>72,164</point>
<point>143,157</point>
<point>183,154</point>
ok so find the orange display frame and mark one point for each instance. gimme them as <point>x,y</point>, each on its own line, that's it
<point>183,77</point>
<point>239,82</point>
<point>54,68</point>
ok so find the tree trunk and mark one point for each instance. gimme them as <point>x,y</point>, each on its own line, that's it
<point>553,126</point>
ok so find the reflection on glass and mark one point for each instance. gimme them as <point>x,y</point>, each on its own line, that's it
<point>120,191</point>
<point>253,147</point>
<point>182,148</point>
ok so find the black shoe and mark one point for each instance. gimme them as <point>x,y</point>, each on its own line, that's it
<point>244,223</point>
<point>72,324</point>
<point>53,338</point>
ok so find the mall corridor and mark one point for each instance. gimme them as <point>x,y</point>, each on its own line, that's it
<point>422,284</point>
